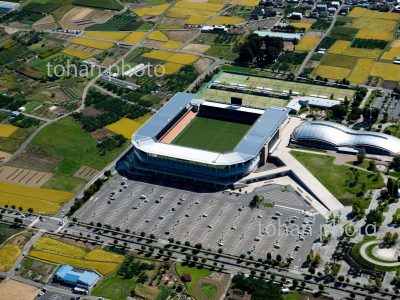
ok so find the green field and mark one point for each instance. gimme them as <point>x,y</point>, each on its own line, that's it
<point>282,85</point>
<point>104,4</point>
<point>342,181</point>
<point>6,231</point>
<point>341,61</point>
<point>114,287</point>
<point>196,275</point>
<point>211,134</point>
<point>68,140</point>
<point>248,99</point>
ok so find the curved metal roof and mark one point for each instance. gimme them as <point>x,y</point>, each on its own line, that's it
<point>342,136</point>
<point>249,146</point>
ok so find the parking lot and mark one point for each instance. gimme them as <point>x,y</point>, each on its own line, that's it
<point>214,219</point>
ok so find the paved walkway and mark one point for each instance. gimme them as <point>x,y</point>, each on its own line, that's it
<point>371,260</point>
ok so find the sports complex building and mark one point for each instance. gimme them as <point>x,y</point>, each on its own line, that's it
<point>333,136</point>
<point>201,141</point>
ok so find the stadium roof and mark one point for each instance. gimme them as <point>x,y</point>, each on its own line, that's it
<point>248,147</point>
<point>9,5</point>
<point>342,136</point>
<point>71,276</point>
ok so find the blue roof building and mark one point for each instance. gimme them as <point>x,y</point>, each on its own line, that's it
<point>75,277</point>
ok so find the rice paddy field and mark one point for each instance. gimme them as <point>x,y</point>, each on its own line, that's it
<point>226,20</point>
<point>307,43</point>
<point>245,2</point>
<point>7,130</point>
<point>155,10</point>
<point>158,36</point>
<point>171,68</point>
<point>107,35</point>
<point>211,134</point>
<point>282,85</point>
<point>359,64</point>
<point>173,45</point>
<point>127,127</point>
<point>8,256</point>
<point>78,53</point>
<point>102,45</point>
<point>59,252</point>
<point>178,58</point>
<point>134,37</point>
<point>301,25</point>
<point>43,201</point>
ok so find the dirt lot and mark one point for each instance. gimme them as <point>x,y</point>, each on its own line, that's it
<point>24,176</point>
<point>81,17</point>
<point>20,239</point>
<point>181,36</point>
<point>4,155</point>
<point>47,23</point>
<point>202,64</point>
<point>14,290</point>
<point>85,173</point>
<point>173,21</point>
<point>199,48</point>
<point>102,133</point>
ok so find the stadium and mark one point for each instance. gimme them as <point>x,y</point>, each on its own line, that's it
<point>333,136</point>
<point>203,142</point>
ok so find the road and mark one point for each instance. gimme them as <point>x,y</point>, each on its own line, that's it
<point>312,51</point>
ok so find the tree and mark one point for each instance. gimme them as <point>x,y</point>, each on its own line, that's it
<point>30,210</point>
<point>396,163</point>
<point>374,217</point>
<point>360,158</point>
<point>358,211</point>
<point>317,259</point>
<point>339,111</point>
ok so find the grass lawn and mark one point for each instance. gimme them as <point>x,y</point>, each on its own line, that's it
<point>342,181</point>
<point>114,287</point>
<point>13,142</point>
<point>222,51</point>
<point>211,134</point>
<point>153,99</point>
<point>209,290</point>
<point>67,139</point>
<point>6,231</point>
<point>196,275</point>
<point>291,296</point>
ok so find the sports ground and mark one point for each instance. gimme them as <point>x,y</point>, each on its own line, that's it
<point>211,134</point>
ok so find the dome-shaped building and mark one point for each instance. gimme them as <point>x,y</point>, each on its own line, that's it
<point>329,135</point>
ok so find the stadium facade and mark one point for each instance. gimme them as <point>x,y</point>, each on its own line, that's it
<point>333,136</point>
<point>155,154</point>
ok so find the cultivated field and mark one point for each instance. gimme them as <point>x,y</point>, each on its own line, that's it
<point>43,201</point>
<point>170,68</point>
<point>171,45</point>
<point>8,255</point>
<point>155,10</point>
<point>127,127</point>
<point>6,130</point>
<point>134,37</point>
<point>107,35</point>
<point>307,43</point>
<point>102,45</point>
<point>391,54</point>
<point>226,20</point>
<point>56,251</point>
<point>178,58</point>
<point>361,71</point>
<point>281,85</point>
<point>211,134</point>
<point>336,73</point>
<point>78,53</point>
<point>23,176</point>
<point>301,25</point>
<point>86,173</point>
<point>158,36</point>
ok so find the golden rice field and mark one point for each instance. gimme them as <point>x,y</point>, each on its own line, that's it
<point>43,201</point>
<point>185,13</point>
<point>374,34</point>
<point>201,10</point>
<point>391,54</point>
<point>386,71</point>
<point>102,45</point>
<point>307,43</point>
<point>171,68</point>
<point>226,20</point>
<point>154,10</point>
<point>134,37</point>
<point>363,53</point>
<point>8,256</point>
<point>361,71</point>
<point>395,44</point>
<point>358,12</point>
<point>214,7</point>
<point>158,36</point>
<point>107,35</point>
<point>301,25</point>
<point>78,53</point>
<point>182,58</point>
<point>171,45</point>
<point>245,2</point>
<point>7,129</point>
<point>376,24</point>
<point>197,20</point>
<point>63,253</point>
<point>331,72</point>
<point>158,54</point>
<point>339,47</point>
<point>127,127</point>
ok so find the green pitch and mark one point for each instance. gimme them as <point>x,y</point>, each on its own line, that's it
<point>211,134</point>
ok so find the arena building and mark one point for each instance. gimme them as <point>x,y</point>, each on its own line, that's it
<point>201,141</point>
<point>333,136</point>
